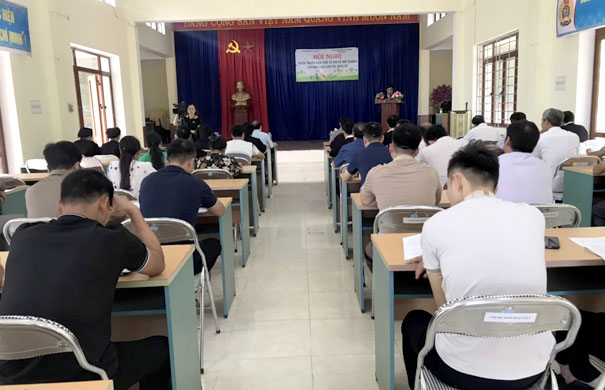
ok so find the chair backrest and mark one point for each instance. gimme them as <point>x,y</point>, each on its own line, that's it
<point>106,158</point>
<point>503,317</point>
<point>241,158</point>
<point>403,219</point>
<point>36,165</point>
<point>560,215</point>
<point>92,163</point>
<point>24,337</point>
<point>129,195</point>
<point>580,161</point>
<point>11,182</point>
<point>11,226</point>
<point>210,173</point>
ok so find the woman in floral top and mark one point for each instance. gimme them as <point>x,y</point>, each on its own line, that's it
<point>217,159</point>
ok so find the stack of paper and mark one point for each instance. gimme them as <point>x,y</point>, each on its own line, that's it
<point>594,245</point>
<point>411,247</point>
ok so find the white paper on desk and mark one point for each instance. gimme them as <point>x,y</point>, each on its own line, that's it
<point>594,245</point>
<point>202,210</point>
<point>411,247</point>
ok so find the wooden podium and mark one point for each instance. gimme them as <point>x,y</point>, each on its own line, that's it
<point>240,114</point>
<point>389,107</point>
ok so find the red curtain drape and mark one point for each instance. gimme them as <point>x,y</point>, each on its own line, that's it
<point>249,66</point>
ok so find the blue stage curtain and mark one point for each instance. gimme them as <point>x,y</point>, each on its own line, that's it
<point>388,54</point>
<point>197,74</point>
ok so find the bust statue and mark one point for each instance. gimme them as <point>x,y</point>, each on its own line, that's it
<point>241,97</point>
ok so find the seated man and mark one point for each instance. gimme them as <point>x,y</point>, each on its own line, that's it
<point>392,123</point>
<point>555,145</point>
<point>460,260</point>
<point>248,129</point>
<point>440,147</point>
<point>237,146</point>
<point>481,131</point>
<point>85,144</point>
<point>261,135</point>
<point>375,153</point>
<point>41,199</point>
<point>69,276</point>
<point>342,139</point>
<point>523,177</point>
<point>348,151</point>
<point>336,132</point>
<point>569,125</point>
<point>172,192</point>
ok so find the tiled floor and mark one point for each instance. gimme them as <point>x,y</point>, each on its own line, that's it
<point>295,322</point>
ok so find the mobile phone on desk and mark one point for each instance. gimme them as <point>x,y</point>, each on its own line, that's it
<point>552,243</point>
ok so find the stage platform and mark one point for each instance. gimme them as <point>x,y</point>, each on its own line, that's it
<point>299,145</point>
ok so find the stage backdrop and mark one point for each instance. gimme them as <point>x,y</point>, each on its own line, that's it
<point>388,54</point>
<point>197,77</point>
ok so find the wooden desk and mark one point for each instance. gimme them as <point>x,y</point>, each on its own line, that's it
<point>225,232</point>
<point>346,188</point>
<point>94,385</point>
<point>31,178</point>
<point>178,307</point>
<point>388,259</point>
<point>579,190</point>
<point>15,201</point>
<point>262,179</point>
<point>236,189</point>
<point>249,172</point>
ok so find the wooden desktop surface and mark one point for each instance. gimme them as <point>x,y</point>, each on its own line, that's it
<point>582,169</point>
<point>174,257</point>
<point>225,201</point>
<point>570,254</point>
<point>356,198</point>
<point>94,385</point>
<point>31,177</point>
<point>249,169</point>
<point>227,184</point>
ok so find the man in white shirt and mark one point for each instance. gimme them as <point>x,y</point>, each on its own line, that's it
<point>523,177</point>
<point>556,145</point>
<point>440,147</point>
<point>481,131</point>
<point>479,247</point>
<point>261,135</point>
<point>237,147</point>
<point>334,133</point>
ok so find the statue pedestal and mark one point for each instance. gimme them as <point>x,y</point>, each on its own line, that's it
<point>240,114</point>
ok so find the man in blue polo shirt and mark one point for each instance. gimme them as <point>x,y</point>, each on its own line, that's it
<point>172,192</point>
<point>348,151</point>
<point>375,153</point>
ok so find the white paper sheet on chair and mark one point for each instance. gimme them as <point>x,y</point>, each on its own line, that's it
<point>411,247</point>
<point>594,245</point>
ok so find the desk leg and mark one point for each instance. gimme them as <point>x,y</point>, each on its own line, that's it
<point>245,224</point>
<point>384,324</point>
<point>255,212</point>
<point>227,259</point>
<point>578,191</point>
<point>182,330</point>
<point>327,176</point>
<point>274,173</point>
<point>358,256</point>
<point>329,182</point>
<point>270,172</point>
<point>263,186</point>
<point>335,205</point>
<point>344,216</point>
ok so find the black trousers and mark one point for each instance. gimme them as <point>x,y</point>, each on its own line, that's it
<point>146,362</point>
<point>589,341</point>
<point>414,328</point>
<point>212,250</point>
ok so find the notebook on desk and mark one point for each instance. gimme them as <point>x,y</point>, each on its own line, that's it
<point>594,245</point>
<point>411,247</point>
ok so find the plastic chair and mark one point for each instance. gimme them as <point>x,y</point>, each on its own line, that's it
<point>106,158</point>
<point>171,230</point>
<point>241,158</point>
<point>211,173</point>
<point>560,215</point>
<point>466,317</point>
<point>25,337</point>
<point>92,163</point>
<point>129,195</point>
<point>11,226</point>
<point>580,161</point>
<point>11,182</point>
<point>36,165</point>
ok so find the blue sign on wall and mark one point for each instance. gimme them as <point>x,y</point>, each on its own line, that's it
<point>577,15</point>
<point>14,28</point>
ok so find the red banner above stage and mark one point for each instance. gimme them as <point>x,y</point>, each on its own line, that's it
<point>241,56</point>
<point>297,22</point>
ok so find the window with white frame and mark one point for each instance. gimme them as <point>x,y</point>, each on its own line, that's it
<point>497,74</point>
<point>157,26</point>
<point>432,18</point>
<point>110,2</point>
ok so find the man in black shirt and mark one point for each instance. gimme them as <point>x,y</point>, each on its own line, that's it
<point>66,271</point>
<point>342,139</point>
<point>579,130</point>
<point>392,123</point>
<point>113,145</point>
<point>85,143</point>
<point>248,129</point>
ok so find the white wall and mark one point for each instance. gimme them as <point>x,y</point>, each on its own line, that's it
<point>155,85</point>
<point>440,70</point>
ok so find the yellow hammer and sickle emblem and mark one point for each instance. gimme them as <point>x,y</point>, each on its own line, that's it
<point>233,48</point>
